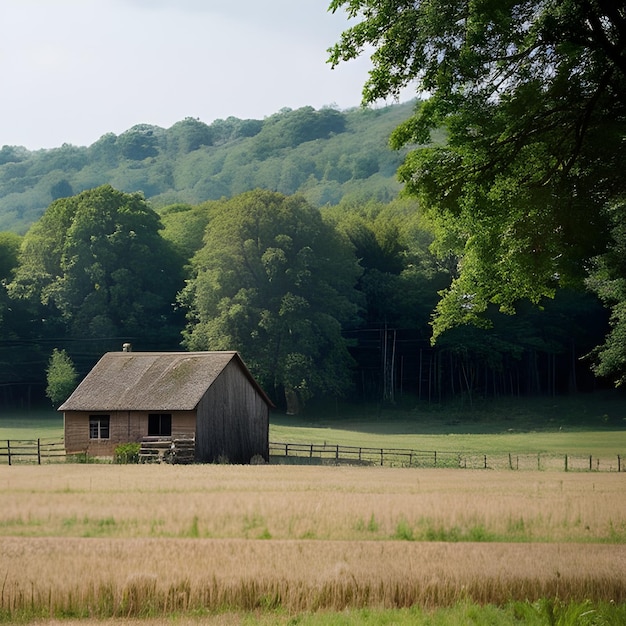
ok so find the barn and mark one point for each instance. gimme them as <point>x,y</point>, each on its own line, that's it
<point>209,396</point>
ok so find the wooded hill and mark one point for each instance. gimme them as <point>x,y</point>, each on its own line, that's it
<point>326,155</point>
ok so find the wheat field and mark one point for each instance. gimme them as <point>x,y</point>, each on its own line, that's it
<point>321,503</point>
<point>106,540</point>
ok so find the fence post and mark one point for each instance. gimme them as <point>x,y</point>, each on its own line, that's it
<point>337,453</point>
<point>311,452</point>
<point>381,456</point>
<point>590,464</point>
<point>619,463</point>
<point>9,450</point>
<point>510,461</point>
<point>38,451</point>
<point>286,449</point>
<point>566,462</point>
<point>485,461</point>
<point>435,458</point>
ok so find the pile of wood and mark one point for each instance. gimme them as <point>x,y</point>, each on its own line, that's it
<point>183,450</point>
<point>167,450</point>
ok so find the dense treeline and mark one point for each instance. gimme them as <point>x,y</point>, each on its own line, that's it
<point>325,155</point>
<point>321,303</point>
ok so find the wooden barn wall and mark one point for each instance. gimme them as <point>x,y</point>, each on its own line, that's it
<point>76,432</point>
<point>125,427</point>
<point>233,420</point>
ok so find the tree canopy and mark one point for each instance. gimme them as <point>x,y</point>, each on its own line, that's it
<point>9,253</point>
<point>532,96</point>
<point>276,283</point>
<point>95,266</point>
<point>607,279</point>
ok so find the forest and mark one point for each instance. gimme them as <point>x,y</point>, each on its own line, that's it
<point>493,265</point>
<point>331,303</point>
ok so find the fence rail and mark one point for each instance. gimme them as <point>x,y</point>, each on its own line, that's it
<point>393,457</point>
<point>35,451</point>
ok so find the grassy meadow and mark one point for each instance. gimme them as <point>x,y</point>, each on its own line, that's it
<point>585,424</point>
<point>33,424</point>
<point>580,424</point>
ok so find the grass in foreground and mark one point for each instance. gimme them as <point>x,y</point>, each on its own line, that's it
<point>540,613</point>
<point>150,578</point>
<point>154,541</point>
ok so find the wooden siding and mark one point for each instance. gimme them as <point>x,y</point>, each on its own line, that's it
<point>125,427</point>
<point>232,420</point>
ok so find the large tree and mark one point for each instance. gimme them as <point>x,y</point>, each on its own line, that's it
<point>532,96</point>
<point>95,266</point>
<point>275,282</point>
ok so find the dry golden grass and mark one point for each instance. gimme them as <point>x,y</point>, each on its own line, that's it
<point>143,576</point>
<point>132,540</point>
<point>295,502</point>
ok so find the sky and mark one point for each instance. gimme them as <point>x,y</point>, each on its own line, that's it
<point>74,70</point>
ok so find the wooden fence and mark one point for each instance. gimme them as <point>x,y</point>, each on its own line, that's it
<point>38,451</point>
<point>390,457</point>
<point>35,451</point>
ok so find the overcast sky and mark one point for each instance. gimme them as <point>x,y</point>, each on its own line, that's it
<point>73,70</point>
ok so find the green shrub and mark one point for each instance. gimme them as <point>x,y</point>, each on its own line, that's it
<point>404,532</point>
<point>127,453</point>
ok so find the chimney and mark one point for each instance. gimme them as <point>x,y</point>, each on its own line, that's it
<point>127,347</point>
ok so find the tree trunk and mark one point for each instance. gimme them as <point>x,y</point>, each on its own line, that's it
<point>294,405</point>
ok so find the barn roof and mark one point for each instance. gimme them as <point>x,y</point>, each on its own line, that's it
<point>152,381</point>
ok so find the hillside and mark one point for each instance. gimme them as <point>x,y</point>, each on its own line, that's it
<point>326,155</point>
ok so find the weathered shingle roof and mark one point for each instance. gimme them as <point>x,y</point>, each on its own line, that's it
<point>151,381</point>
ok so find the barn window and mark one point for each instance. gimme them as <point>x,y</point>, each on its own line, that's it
<point>160,424</point>
<point>99,426</point>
